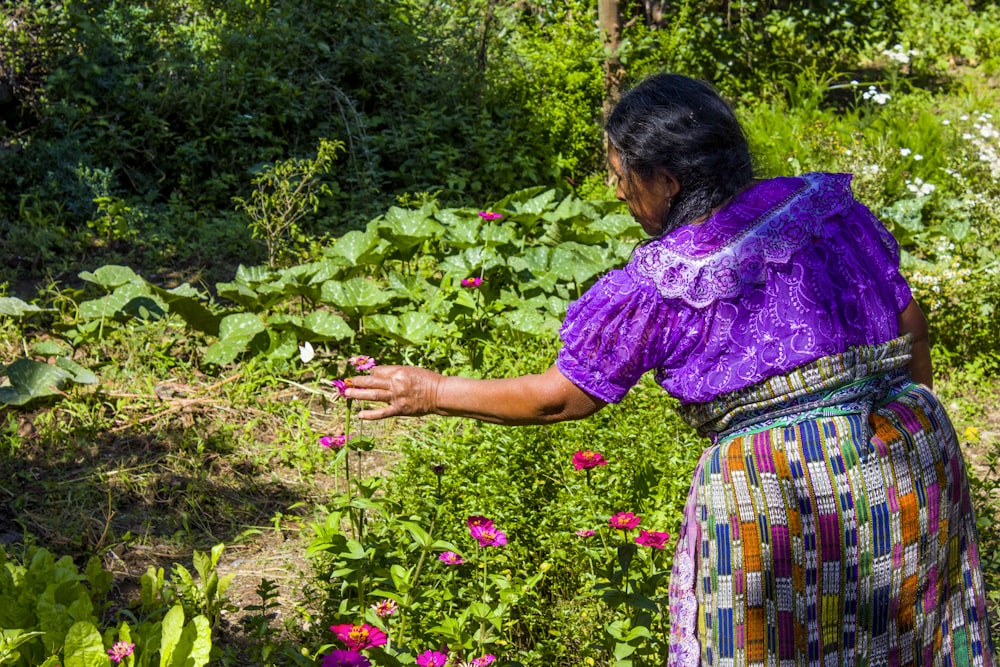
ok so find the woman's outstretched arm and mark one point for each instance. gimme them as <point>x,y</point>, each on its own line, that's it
<point>528,399</point>
<point>912,321</point>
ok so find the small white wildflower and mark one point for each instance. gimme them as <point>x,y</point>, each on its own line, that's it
<point>904,151</point>
<point>964,117</point>
<point>946,122</point>
<point>855,82</point>
<point>918,157</point>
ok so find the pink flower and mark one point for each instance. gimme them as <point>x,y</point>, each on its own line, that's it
<point>432,659</point>
<point>342,385</point>
<point>472,282</point>
<point>451,558</point>
<point>339,658</point>
<point>624,521</point>
<point>334,442</point>
<point>488,536</point>
<point>358,637</point>
<point>484,660</point>
<point>652,538</point>
<point>120,651</point>
<point>586,458</point>
<point>490,216</point>
<point>584,532</point>
<point>476,521</point>
<point>385,608</point>
<point>362,362</point>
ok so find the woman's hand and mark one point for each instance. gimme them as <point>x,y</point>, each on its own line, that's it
<point>408,391</point>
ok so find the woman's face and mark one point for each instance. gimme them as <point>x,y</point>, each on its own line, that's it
<point>648,200</point>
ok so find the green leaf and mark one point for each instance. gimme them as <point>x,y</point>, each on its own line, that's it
<point>462,227</point>
<point>14,307</point>
<point>49,348</point>
<point>84,646</point>
<point>111,276</point>
<point>355,297</point>
<point>359,248</point>
<point>406,228</point>
<point>80,374</point>
<point>31,379</point>
<point>187,302</point>
<point>240,325</point>
<point>171,629</point>
<point>410,328</point>
<point>577,262</point>
<point>530,322</point>
<point>134,299</point>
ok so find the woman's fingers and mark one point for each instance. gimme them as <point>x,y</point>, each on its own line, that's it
<point>406,390</point>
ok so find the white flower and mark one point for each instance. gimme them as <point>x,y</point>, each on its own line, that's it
<point>306,352</point>
<point>855,82</point>
<point>918,157</point>
<point>946,122</point>
<point>904,151</point>
<point>964,117</point>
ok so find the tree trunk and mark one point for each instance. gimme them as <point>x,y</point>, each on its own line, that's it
<point>485,35</point>
<point>609,22</point>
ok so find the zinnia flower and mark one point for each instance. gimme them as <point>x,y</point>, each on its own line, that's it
<point>451,558</point>
<point>362,362</point>
<point>358,637</point>
<point>120,650</point>
<point>484,660</point>
<point>472,282</point>
<point>342,385</point>
<point>475,521</point>
<point>490,216</point>
<point>624,521</point>
<point>652,538</point>
<point>432,659</point>
<point>334,442</point>
<point>339,658</point>
<point>584,532</point>
<point>586,458</point>
<point>385,608</point>
<point>489,536</point>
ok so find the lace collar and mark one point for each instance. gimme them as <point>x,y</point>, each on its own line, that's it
<point>765,224</point>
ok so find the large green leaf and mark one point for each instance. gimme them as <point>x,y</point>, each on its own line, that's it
<point>317,326</point>
<point>410,328</point>
<point>406,228</point>
<point>236,331</point>
<point>80,375</point>
<point>359,248</point>
<point>110,276</point>
<point>577,262</point>
<point>84,647</point>
<point>462,227</point>
<point>133,299</point>
<point>527,321</point>
<point>187,302</point>
<point>355,297</point>
<point>30,379</point>
<point>14,307</point>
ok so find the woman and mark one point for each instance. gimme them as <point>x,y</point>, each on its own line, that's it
<point>829,521</point>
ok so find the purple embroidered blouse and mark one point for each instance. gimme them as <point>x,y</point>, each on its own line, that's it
<point>792,270</point>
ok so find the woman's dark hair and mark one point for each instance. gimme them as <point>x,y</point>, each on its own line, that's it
<point>680,126</point>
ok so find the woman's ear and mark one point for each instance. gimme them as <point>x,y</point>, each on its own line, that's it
<point>672,184</point>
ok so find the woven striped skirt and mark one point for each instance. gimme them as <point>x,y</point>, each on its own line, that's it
<point>830,525</point>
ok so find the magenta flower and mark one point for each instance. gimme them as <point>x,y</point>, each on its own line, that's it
<point>652,538</point>
<point>490,216</point>
<point>359,637</point>
<point>483,660</point>
<point>584,532</point>
<point>362,362</point>
<point>338,658</point>
<point>472,282</point>
<point>334,442</point>
<point>385,608</point>
<point>120,650</point>
<point>624,521</point>
<point>488,536</point>
<point>342,385</point>
<point>476,521</point>
<point>432,659</point>
<point>451,558</point>
<point>586,459</point>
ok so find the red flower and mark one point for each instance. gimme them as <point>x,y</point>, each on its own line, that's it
<point>586,458</point>
<point>652,538</point>
<point>624,521</point>
<point>490,216</point>
<point>359,637</point>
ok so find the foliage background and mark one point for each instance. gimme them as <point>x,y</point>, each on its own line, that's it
<point>131,131</point>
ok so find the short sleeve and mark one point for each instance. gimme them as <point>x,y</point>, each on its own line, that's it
<point>612,335</point>
<point>881,255</point>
